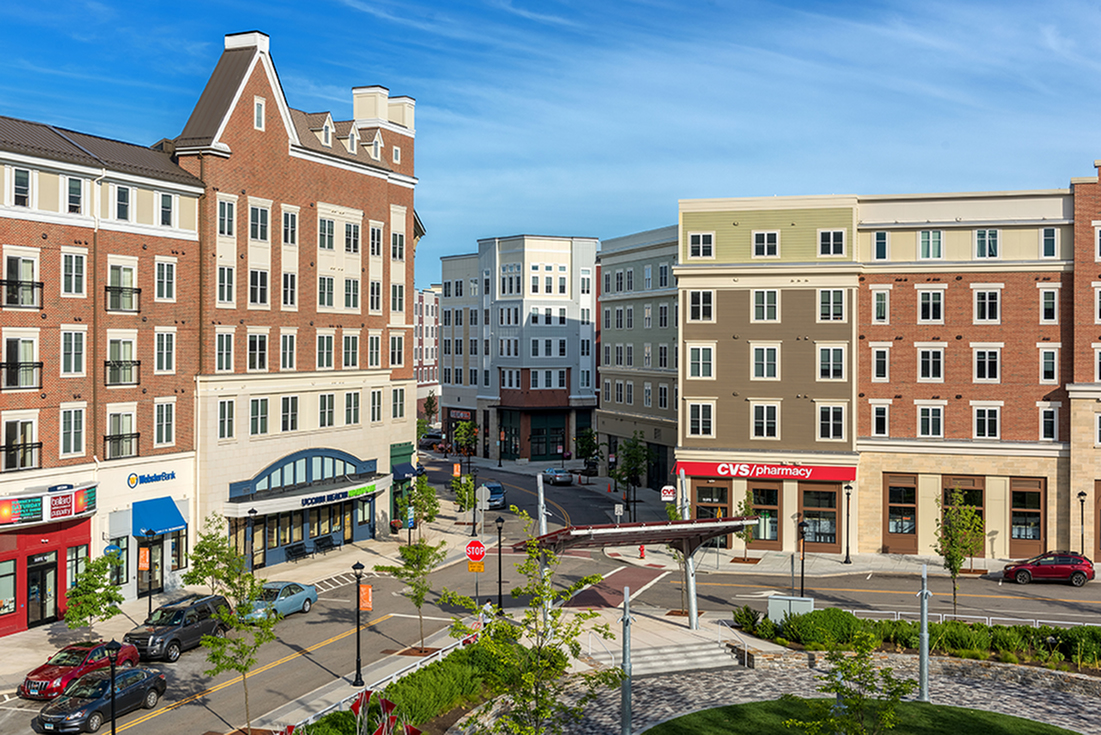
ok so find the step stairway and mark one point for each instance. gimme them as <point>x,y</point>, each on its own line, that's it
<point>657,661</point>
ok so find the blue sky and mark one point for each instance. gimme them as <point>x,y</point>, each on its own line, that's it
<point>593,118</point>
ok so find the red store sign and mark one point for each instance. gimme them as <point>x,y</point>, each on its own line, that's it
<point>460,415</point>
<point>767,471</point>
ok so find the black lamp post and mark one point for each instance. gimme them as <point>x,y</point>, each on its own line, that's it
<point>848,522</point>
<point>251,536</point>
<point>802,555</point>
<point>1082,513</point>
<point>113,649</point>
<point>358,569</point>
<point>500,596</point>
<point>149,534</point>
<point>474,516</point>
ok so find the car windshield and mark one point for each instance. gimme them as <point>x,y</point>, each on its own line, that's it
<point>68,657</point>
<point>162,616</point>
<point>269,594</point>
<point>87,688</point>
<point>1035,559</point>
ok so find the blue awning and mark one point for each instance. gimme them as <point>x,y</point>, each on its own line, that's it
<point>159,515</point>
<point>404,471</point>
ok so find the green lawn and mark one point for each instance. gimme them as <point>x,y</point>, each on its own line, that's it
<point>758,718</point>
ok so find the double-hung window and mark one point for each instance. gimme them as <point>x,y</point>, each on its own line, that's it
<point>986,243</point>
<point>881,425</point>
<point>397,297</point>
<point>165,343</point>
<point>880,246</point>
<point>929,245</point>
<point>1049,363</point>
<point>258,352</point>
<point>258,416</point>
<point>397,403</point>
<point>325,351</point>
<point>223,351</point>
<point>376,241</point>
<point>831,305</point>
<point>290,289</point>
<point>164,425</point>
<point>700,306</point>
<point>166,281</point>
<point>225,218</point>
<point>766,421</point>
<point>72,431</point>
<point>351,237</point>
<point>326,230</point>
<point>1049,306</point>
<point>325,412</point>
<point>831,242</point>
<point>766,305</point>
<point>374,302</point>
<point>881,306</point>
<point>766,362</point>
<point>831,423</point>
<point>258,287</point>
<point>289,413</point>
<point>699,361</point>
<point>1049,242</point>
<point>930,364</point>
<point>290,228</point>
<point>72,274</point>
<point>930,421</point>
<point>397,245</point>
<point>701,245</point>
<point>831,363</point>
<point>167,209</point>
<point>766,244</point>
<point>351,351</point>
<point>881,362</point>
<point>987,306</point>
<point>22,188</point>
<point>986,364</point>
<point>930,306</point>
<point>376,405</point>
<point>122,203</point>
<point>258,223</point>
<point>351,408</point>
<point>226,409</point>
<point>325,287</point>
<point>287,357</point>
<point>986,421</point>
<point>351,293</point>
<point>226,293</point>
<point>700,419</point>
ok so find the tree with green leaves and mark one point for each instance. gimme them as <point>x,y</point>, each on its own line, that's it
<point>463,487</point>
<point>586,445</point>
<point>531,654</point>
<point>673,514</point>
<point>465,438</point>
<point>426,506</point>
<point>865,698</point>
<point>633,460</point>
<point>745,508</point>
<point>94,598</point>
<point>959,534</point>
<point>430,406</point>
<point>422,429</point>
<point>417,562</point>
<point>237,640</point>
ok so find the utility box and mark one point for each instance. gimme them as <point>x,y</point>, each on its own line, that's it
<point>780,606</point>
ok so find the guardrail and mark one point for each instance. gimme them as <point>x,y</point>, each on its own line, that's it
<point>600,640</point>
<point>942,617</point>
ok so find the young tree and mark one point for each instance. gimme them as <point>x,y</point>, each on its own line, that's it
<point>466,438</point>
<point>959,534</point>
<point>422,429</point>
<point>633,459</point>
<point>418,561</point>
<point>463,487</point>
<point>745,508</point>
<point>237,640</point>
<point>430,406</point>
<point>587,447</point>
<point>531,655</point>
<point>865,700</point>
<point>94,598</point>
<point>426,506</point>
<point>673,514</point>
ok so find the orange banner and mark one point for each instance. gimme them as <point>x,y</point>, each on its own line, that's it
<point>365,595</point>
<point>143,559</point>
<point>457,469</point>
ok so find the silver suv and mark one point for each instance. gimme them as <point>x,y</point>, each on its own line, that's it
<point>177,626</point>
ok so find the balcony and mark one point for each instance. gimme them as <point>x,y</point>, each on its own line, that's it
<point>21,374</point>
<point>22,294</point>
<point>117,446</point>
<point>122,372</point>
<point>123,298</point>
<point>24,456</point>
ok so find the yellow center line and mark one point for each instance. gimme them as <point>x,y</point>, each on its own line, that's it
<point>892,592</point>
<point>536,495</point>
<point>218,687</point>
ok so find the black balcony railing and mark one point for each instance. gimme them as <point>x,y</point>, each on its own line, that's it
<point>116,446</point>
<point>123,298</point>
<point>122,372</point>
<point>23,456</point>
<point>21,374</point>
<point>22,294</point>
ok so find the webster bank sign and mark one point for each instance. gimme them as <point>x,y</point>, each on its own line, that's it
<point>767,471</point>
<point>135,479</point>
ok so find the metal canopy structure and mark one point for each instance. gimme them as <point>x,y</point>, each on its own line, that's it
<point>686,536</point>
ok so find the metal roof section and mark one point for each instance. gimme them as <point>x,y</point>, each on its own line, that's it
<point>685,535</point>
<point>216,101</point>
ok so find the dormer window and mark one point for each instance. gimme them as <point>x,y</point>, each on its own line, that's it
<point>397,154</point>
<point>352,142</point>
<point>326,135</point>
<point>376,149</point>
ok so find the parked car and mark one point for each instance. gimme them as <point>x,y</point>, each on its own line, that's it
<point>283,598</point>
<point>1063,566</point>
<point>497,497</point>
<point>557,476</point>
<point>70,663</point>
<point>430,439</point>
<point>177,626</point>
<point>86,703</point>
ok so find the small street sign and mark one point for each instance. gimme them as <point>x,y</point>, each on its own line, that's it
<point>481,495</point>
<point>410,519</point>
<point>476,551</point>
<point>475,566</point>
<point>618,509</point>
<point>668,494</point>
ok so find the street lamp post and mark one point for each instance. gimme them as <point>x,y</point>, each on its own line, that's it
<point>149,534</point>
<point>500,596</point>
<point>474,505</point>
<point>113,649</point>
<point>251,536</point>
<point>848,522</point>
<point>358,569</point>
<point>802,555</point>
<point>1082,514</point>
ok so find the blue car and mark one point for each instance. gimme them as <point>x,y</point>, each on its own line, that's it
<point>283,598</point>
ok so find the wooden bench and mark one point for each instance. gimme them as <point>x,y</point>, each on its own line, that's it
<point>325,544</point>
<point>297,551</point>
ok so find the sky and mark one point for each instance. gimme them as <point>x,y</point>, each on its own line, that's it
<point>574,117</point>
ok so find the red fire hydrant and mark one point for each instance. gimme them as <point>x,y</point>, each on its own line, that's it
<point>642,551</point>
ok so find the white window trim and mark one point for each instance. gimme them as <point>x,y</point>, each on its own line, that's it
<point>688,310</point>
<point>1040,243</point>
<point>884,289</point>
<point>259,104</point>
<point>171,260</point>
<point>753,244</point>
<point>871,368</point>
<point>975,406</point>
<point>1048,406</point>
<point>917,244</point>
<point>753,306</point>
<point>975,289</point>
<point>688,417</point>
<point>844,306</point>
<point>1042,287</point>
<point>83,329</point>
<point>231,199</point>
<point>818,420</point>
<point>884,403</point>
<point>918,405</point>
<point>175,350</point>
<point>61,409</point>
<point>70,250</point>
<point>776,402</point>
<point>818,361</point>
<point>844,242</point>
<point>752,362</point>
<point>919,346</point>
<point>919,287</point>
<point>975,243</point>
<point>986,347</point>
<point>871,255</point>
<point>688,246</point>
<point>1055,347</point>
<point>714,347</point>
<point>169,400</point>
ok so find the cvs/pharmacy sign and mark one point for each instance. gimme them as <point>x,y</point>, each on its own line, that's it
<point>767,471</point>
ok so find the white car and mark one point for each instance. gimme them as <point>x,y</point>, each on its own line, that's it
<point>557,476</point>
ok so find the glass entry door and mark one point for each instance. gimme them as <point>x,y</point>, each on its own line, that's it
<point>41,589</point>
<point>151,580</point>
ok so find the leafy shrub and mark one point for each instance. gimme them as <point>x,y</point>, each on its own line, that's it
<point>746,618</point>
<point>1082,643</point>
<point>831,626</point>
<point>334,723</point>
<point>904,633</point>
<point>1006,639</point>
<point>767,629</point>
<point>796,628</point>
<point>1007,657</point>
<point>781,641</point>
<point>974,654</point>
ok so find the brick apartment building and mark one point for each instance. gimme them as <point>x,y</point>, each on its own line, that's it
<point>100,325</point>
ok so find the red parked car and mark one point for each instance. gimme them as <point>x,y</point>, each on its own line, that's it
<point>70,663</point>
<point>1062,566</point>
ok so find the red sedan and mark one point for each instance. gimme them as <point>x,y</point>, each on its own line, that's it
<point>1062,566</point>
<point>72,662</point>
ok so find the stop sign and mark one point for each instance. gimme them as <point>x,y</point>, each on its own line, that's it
<point>476,550</point>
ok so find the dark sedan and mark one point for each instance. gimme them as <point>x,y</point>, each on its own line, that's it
<point>86,703</point>
<point>72,662</point>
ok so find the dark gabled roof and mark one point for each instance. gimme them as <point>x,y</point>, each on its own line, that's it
<point>213,104</point>
<point>306,122</point>
<point>68,146</point>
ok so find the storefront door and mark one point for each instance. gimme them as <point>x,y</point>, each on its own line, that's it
<point>151,580</point>
<point>41,589</point>
<point>348,528</point>
<point>712,501</point>
<point>818,507</point>
<point>900,514</point>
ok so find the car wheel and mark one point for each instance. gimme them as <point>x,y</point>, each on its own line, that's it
<point>95,721</point>
<point>1023,577</point>
<point>127,664</point>
<point>306,605</point>
<point>219,632</point>
<point>172,652</point>
<point>1078,579</point>
<point>151,698</point>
